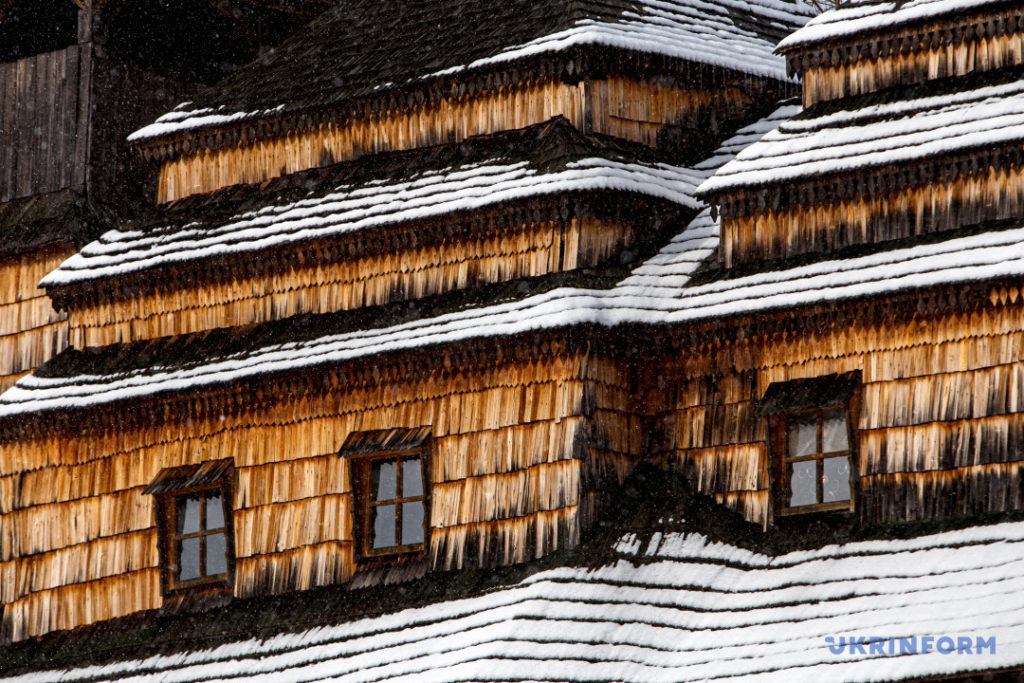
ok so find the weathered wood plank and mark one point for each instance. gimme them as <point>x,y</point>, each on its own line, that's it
<point>83,131</point>
<point>69,116</point>
<point>25,98</point>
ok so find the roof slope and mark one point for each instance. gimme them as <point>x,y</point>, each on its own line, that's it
<point>672,607</point>
<point>87,380</point>
<point>880,131</point>
<point>364,48</point>
<point>869,17</point>
<point>661,291</point>
<point>546,159</point>
<point>64,217</point>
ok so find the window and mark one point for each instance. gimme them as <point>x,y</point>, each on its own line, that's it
<point>194,520</point>
<point>813,442</point>
<point>816,461</point>
<point>389,474</point>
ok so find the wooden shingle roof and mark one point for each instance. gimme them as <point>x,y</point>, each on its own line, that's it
<point>678,286</point>
<point>369,48</point>
<point>64,217</point>
<point>870,18</point>
<point>386,189</point>
<point>672,605</point>
<point>897,128</point>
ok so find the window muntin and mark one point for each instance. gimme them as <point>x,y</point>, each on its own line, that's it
<point>396,504</point>
<point>392,502</point>
<point>198,545</point>
<point>193,505</point>
<point>817,460</point>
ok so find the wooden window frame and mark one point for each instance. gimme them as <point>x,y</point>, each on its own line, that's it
<point>782,459</point>
<point>363,504</point>
<point>167,511</point>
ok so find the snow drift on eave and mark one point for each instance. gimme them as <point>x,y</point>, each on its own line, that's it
<point>855,18</point>
<point>350,208</point>
<point>876,135</point>
<point>689,610</point>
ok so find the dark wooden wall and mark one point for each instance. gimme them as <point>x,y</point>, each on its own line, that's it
<point>64,120</point>
<point>125,98</point>
<point>44,122</point>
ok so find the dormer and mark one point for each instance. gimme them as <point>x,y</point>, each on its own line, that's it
<point>864,47</point>
<point>371,76</point>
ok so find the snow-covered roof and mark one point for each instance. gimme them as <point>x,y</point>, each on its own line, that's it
<point>661,291</point>
<point>664,297</point>
<point>872,17</point>
<point>547,159</point>
<point>672,607</point>
<point>875,135</point>
<point>367,48</point>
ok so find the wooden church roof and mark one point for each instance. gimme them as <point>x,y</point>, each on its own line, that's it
<point>369,48</point>
<point>548,159</point>
<point>870,18</point>
<point>670,603</point>
<point>897,128</point>
<point>62,217</point>
<point>678,286</point>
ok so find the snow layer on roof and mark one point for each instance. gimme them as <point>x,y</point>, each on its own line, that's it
<point>867,17</point>
<point>877,135</point>
<point>204,117</point>
<point>650,297</point>
<point>733,34</point>
<point>657,292</point>
<point>350,208</point>
<point>670,269</point>
<point>694,30</point>
<point>678,607</point>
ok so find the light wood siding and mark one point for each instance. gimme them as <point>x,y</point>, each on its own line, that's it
<point>78,542</point>
<point>323,280</point>
<point>962,45</point>
<point>941,423</point>
<point>599,105</point>
<point>825,225</point>
<point>664,115</point>
<point>434,124</point>
<point>31,332</point>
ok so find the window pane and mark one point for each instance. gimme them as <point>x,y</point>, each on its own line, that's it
<point>216,554</point>
<point>834,434</point>
<point>384,526</point>
<point>384,480</point>
<point>412,478</point>
<point>836,481</point>
<point>188,514</point>
<point>214,510</point>
<point>803,435</point>
<point>188,559</point>
<point>803,483</point>
<point>412,523</point>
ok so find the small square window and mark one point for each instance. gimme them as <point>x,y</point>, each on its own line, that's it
<point>194,520</point>
<point>812,442</point>
<point>389,476</point>
<point>816,462</point>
